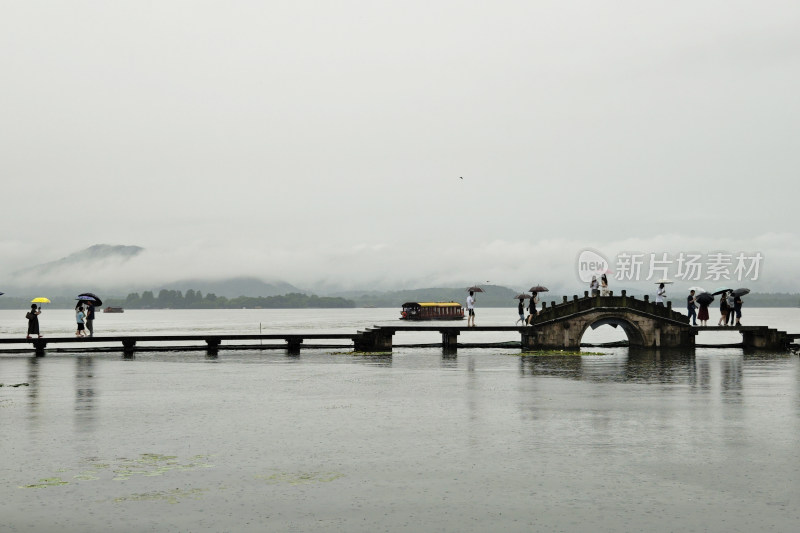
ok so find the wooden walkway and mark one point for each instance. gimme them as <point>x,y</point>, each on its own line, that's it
<point>372,339</point>
<point>212,342</point>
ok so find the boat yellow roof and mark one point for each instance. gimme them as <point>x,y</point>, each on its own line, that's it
<point>434,304</point>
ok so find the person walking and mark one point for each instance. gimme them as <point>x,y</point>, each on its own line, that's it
<point>594,286</point>
<point>690,305</point>
<point>471,309</point>
<point>731,308</point>
<point>521,309</point>
<point>532,308</point>
<point>33,321</point>
<point>723,310</point>
<point>603,285</point>
<point>702,315</point>
<point>80,316</point>
<point>661,293</point>
<point>737,308</point>
<point>90,319</point>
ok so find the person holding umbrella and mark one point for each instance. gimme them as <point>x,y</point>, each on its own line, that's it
<point>723,310</point>
<point>91,300</point>
<point>737,307</point>
<point>731,308</point>
<point>690,305</point>
<point>704,300</point>
<point>471,309</point>
<point>90,318</point>
<point>33,321</point>
<point>532,308</point>
<point>702,315</point>
<point>661,293</point>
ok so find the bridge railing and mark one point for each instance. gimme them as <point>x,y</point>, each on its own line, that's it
<point>568,307</point>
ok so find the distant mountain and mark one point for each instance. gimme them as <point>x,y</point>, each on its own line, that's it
<point>97,252</point>
<point>77,271</point>
<point>235,287</point>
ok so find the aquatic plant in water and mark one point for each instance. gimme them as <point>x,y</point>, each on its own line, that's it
<point>153,464</point>
<point>46,482</point>
<point>300,478</point>
<point>170,496</point>
<point>147,464</point>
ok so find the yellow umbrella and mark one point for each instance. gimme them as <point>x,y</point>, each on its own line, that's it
<point>40,300</point>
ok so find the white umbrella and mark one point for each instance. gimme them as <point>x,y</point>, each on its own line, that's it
<point>665,281</point>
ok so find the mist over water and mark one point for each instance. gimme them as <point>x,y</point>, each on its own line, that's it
<point>330,441</point>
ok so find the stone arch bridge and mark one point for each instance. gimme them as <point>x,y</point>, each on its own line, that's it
<point>647,325</point>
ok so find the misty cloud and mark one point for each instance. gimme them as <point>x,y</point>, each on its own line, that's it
<point>322,143</point>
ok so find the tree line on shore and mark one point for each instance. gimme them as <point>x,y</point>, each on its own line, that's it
<point>174,299</point>
<point>192,299</point>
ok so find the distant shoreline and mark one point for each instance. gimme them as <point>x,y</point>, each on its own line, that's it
<point>498,298</point>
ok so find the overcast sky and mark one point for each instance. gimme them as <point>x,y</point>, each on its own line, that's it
<point>325,141</point>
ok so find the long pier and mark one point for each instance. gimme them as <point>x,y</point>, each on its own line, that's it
<point>212,342</point>
<point>372,339</point>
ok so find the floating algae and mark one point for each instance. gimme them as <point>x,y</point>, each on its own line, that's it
<point>153,464</point>
<point>170,496</point>
<point>88,475</point>
<point>300,478</point>
<point>148,464</point>
<point>46,482</point>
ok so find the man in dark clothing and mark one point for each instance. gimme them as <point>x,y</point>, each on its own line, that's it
<point>737,308</point>
<point>691,307</point>
<point>90,319</point>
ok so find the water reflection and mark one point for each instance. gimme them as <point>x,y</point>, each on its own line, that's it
<point>449,361</point>
<point>646,366</point>
<point>374,360</point>
<point>84,393</point>
<point>33,390</point>
<point>700,379</point>
<point>660,366</point>
<point>732,368</point>
<point>551,365</point>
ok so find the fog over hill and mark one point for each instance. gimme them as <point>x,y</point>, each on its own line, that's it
<point>117,270</point>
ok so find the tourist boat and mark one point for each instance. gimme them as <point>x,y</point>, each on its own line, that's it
<point>432,311</point>
<point>110,309</point>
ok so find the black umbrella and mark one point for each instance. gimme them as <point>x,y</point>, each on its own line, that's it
<point>704,298</point>
<point>475,288</point>
<point>720,290</point>
<point>741,292</point>
<point>90,296</point>
<point>522,296</point>
<point>538,288</point>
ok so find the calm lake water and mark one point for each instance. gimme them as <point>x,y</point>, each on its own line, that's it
<point>329,441</point>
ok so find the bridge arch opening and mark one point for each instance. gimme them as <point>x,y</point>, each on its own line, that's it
<point>611,329</point>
